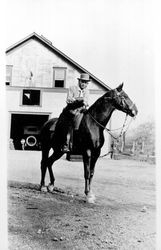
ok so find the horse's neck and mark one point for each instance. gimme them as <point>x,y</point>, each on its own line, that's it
<point>101,112</point>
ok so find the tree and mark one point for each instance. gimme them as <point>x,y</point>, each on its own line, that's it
<point>144,137</point>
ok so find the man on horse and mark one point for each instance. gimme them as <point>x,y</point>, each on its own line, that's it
<point>77,103</point>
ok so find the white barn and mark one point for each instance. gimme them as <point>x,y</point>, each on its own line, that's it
<point>37,78</point>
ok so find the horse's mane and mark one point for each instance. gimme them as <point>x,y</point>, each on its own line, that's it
<point>99,101</point>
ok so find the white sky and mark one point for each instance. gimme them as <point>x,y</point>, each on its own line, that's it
<point>110,38</point>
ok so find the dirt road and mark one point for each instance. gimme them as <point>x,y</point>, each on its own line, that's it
<point>123,216</point>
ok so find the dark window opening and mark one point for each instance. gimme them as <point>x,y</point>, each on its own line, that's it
<point>59,83</point>
<point>31,97</point>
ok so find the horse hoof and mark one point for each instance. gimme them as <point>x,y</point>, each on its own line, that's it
<point>50,187</point>
<point>90,198</point>
<point>43,189</point>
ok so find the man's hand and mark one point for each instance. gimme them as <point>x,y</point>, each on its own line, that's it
<point>83,110</point>
<point>76,104</point>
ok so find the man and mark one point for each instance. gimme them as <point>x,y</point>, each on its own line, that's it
<point>76,93</point>
<point>79,91</point>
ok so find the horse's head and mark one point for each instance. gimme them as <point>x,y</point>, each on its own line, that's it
<point>121,101</point>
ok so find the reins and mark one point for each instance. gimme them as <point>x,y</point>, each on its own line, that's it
<point>109,130</point>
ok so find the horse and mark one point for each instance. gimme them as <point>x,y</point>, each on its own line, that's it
<point>91,137</point>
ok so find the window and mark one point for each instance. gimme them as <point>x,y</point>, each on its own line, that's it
<point>8,74</point>
<point>59,77</point>
<point>31,97</point>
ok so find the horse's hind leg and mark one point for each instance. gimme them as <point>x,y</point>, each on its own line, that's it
<point>45,153</point>
<point>55,156</point>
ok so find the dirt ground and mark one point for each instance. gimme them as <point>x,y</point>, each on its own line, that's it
<point>123,216</point>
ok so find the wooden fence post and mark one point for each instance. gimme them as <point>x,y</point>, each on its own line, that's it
<point>142,147</point>
<point>133,147</point>
<point>123,142</point>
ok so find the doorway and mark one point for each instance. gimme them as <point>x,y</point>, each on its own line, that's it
<point>25,130</point>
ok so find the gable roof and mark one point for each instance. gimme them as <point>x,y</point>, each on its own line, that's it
<point>48,44</point>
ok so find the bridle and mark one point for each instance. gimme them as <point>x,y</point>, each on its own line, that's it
<point>123,101</point>
<point>117,95</point>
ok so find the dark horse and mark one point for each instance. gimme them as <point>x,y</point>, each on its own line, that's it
<point>91,136</point>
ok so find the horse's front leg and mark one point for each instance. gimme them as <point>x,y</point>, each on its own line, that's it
<point>86,161</point>
<point>94,157</point>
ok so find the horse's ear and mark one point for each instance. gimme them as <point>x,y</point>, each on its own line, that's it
<point>119,88</point>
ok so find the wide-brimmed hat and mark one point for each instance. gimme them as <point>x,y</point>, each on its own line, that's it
<point>84,77</point>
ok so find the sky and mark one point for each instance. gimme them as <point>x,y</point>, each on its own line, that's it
<point>114,40</point>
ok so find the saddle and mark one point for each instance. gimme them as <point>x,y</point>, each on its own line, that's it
<point>76,122</point>
<point>74,112</point>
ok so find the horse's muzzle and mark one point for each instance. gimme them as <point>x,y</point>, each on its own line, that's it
<point>134,110</point>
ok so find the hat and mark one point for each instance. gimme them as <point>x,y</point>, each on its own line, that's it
<point>84,77</point>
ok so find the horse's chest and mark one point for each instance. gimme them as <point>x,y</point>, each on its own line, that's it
<point>93,138</point>
<point>97,140</point>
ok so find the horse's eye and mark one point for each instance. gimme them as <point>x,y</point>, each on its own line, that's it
<point>123,100</point>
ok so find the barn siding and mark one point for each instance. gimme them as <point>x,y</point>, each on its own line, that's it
<point>33,57</point>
